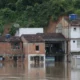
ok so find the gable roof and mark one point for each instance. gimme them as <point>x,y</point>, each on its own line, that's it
<point>33,38</point>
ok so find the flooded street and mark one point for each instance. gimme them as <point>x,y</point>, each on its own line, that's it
<point>49,71</point>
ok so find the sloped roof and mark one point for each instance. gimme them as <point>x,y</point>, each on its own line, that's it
<point>52,36</point>
<point>41,37</point>
<point>33,38</point>
<point>11,39</point>
<point>15,39</point>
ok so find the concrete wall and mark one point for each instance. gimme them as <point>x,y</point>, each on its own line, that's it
<point>74,36</point>
<point>74,33</point>
<point>74,47</point>
<point>62,27</point>
<point>22,31</point>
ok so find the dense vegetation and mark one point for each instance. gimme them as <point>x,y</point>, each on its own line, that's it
<point>35,13</point>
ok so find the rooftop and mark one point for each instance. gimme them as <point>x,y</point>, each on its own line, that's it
<point>41,37</point>
<point>11,39</point>
<point>75,22</point>
<point>33,38</point>
<point>52,36</point>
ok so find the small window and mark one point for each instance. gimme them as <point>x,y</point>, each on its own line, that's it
<point>74,29</point>
<point>73,41</point>
<point>37,48</point>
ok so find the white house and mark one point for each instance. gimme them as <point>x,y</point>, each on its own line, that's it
<point>74,35</point>
<point>22,31</point>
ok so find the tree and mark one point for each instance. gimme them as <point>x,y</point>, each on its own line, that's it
<point>7,15</point>
<point>12,30</point>
<point>1,28</point>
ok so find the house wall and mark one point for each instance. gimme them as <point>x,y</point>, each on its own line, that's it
<point>75,38</point>
<point>74,33</point>
<point>29,48</point>
<point>6,50</point>
<point>74,47</point>
<point>22,31</point>
<point>62,27</point>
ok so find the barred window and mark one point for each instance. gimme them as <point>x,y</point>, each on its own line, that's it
<point>78,43</point>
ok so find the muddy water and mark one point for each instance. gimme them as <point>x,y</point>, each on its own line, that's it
<point>48,71</point>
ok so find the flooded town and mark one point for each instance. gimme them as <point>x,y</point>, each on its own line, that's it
<point>44,50</point>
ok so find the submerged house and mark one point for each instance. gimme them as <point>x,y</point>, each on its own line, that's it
<point>44,45</point>
<point>10,48</point>
<point>55,45</point>
<point>33,48</point>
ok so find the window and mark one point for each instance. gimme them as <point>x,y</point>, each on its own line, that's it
<point>78,43</point>
<point>15,45</point>
<point>74,29</point>
<point>73,41</point>
<point>32,58</point>
<point>42,58</point>
<point>37,48</point>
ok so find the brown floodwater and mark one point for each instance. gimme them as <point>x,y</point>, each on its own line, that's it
<point>48,71</point>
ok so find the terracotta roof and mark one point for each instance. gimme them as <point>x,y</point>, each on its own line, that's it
<point>33,38</point>
<point>52,36</point>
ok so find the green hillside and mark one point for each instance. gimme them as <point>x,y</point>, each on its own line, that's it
<point>35,13</point>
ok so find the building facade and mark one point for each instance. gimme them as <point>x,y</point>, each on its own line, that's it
<point>74,32</point>
<point>34,48</point>
<point>10,48</point>
<point>22,31</point>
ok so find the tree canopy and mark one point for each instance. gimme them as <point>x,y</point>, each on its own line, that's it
<point>36,13</point>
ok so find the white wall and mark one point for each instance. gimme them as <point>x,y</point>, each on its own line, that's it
<point>30,55</point>
<point>28,31</point>
<point>74,47</point>
<point>75,33</point>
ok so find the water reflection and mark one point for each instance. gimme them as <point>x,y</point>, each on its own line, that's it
<point>49,71</point>
<point>56,71</point>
